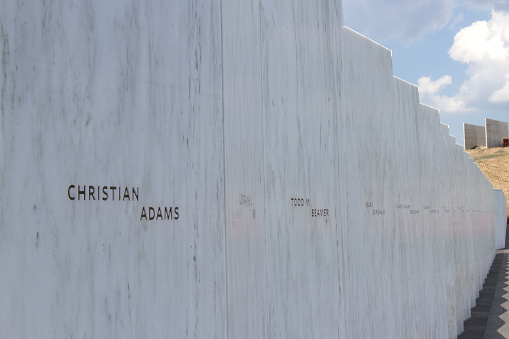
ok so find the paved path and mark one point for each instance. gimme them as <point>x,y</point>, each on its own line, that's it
<point>490,316</point>
<point>498,319</point>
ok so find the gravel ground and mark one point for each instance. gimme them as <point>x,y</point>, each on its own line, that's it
<point>494,162</point>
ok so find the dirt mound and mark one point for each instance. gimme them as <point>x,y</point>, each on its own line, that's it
<point>494,162</point>
<point>483,154</point>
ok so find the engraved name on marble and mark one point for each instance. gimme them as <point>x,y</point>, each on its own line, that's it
<point>108,193</point>
<point>102,193</point>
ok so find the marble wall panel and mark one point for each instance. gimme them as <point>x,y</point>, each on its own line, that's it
<point>473,136</point>
<point>447,184</point>
<point>244,159</point>
<point>500,205</point>
<point>430,273</point>
<point>368,108</point>
<point>496,131</point>
<point>300,87</point>
<point>112,94</point>
<point>407,201</point>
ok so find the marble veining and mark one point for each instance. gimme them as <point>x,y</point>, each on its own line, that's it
<point>287,184</point>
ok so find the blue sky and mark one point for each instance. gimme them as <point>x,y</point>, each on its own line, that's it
<point>455,51</point>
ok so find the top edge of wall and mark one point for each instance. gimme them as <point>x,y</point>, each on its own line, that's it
<point>431,107</point>
<point>348,29</point>
<point>365,37</point>
<point>486,119</point>
<point>465,124</point>
<point>403,80</point>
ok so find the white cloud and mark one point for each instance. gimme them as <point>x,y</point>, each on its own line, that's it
<point>427,86</point>
<point>401,20</point>
<point>456,21</point>
<point>408,21</point>
<point>482,41</point>
<point>498,5</point>
<point>484,46</point>
<point>501,95</point>
<point>428,90</point>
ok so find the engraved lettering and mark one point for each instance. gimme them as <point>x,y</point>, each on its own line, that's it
<point>81,192</point>
<point>246,200</point>
<point>159,213</point>
<point>167,213</point>
<point>105,192</point>
<point>126,194</point>
<point>91,192</point>
<point>319,212</point>
<point>300,202</point>
<point>69,192</point>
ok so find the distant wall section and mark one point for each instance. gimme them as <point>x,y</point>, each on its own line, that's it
<point>474,135</point>
<point>495,132</point>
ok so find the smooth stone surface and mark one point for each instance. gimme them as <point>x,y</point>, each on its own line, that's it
<point>316,196</point>
<point>300,49</point>
<point>244,168</point>
<point>473,135</point>
<point>496,131</point>
<point>500,205</point>
<point>118,94</point>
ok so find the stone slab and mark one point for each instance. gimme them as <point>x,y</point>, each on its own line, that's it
<point>100,100</point>
<point>474,136</point>
<point>500,207</point>
<point>496,131</point>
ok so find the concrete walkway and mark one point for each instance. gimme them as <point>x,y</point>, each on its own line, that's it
<point>490,316</point>
<point>498,319</point>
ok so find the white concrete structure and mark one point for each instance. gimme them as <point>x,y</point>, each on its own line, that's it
<point>226,169</point>
<point>500,218</point>
<point>496,131</point>
<point>473,136</point>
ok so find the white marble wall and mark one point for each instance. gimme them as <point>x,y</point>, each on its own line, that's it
<point>300,50</point>
<point>244,168</point>
<point>500,205</point>
<point>112,93</point>
<point>316,197</point>
<point>370,185</point>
